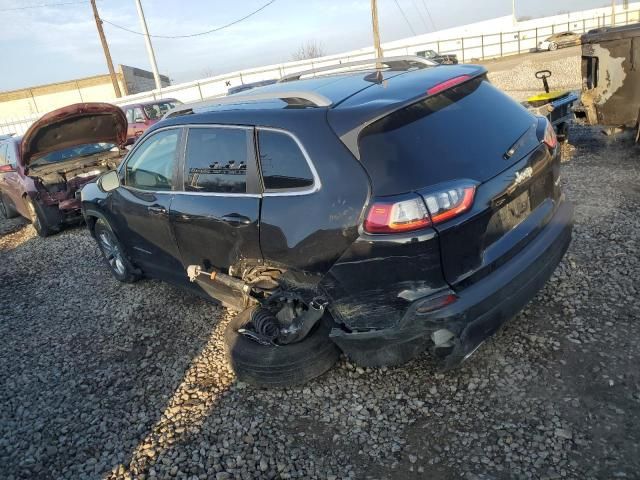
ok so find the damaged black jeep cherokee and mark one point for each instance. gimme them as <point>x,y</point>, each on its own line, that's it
<point>379,212</point>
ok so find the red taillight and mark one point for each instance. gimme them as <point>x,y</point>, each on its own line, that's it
<point>550,138</point>
<point>452,82</point>
<point>448,203</point>
<point>6,168</point>
<point>396,217</point>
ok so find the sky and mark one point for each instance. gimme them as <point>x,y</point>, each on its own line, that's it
<point>55,43</point>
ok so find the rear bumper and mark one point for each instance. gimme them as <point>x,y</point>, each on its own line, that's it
<point>479,310</point>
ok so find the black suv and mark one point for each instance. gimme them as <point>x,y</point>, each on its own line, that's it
<point>377,212</point>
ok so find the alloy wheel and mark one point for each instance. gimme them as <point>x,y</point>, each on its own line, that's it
<point>112,253</point>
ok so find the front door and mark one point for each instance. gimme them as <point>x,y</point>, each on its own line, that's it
<point>143,201</point>
<point>215,217</point>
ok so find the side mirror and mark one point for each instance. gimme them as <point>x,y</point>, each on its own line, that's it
<point>109,181</point>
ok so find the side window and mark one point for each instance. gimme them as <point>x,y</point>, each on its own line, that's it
<point>151,165</point>
<point>129,113</point>
<point>138,116</point>
<point>282,163</point>
<point>216,160</point>
<point>11,155</point>
<point>3,154</point>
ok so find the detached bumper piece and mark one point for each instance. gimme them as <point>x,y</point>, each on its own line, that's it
<point>478,312</point>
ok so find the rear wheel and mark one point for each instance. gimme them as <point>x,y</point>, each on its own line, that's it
<point>113,254</point>
<point>45,220</point>
<point>279,365</point>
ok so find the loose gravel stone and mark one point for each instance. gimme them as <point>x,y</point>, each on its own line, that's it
<point>102,380</point>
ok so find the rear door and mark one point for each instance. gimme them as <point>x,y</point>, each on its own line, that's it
<point>141,204</point>
<point>472,134</point>
<point>215,215</point>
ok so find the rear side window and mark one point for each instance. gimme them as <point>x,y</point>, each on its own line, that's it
<point>216,160</point>
<point>283,165</point>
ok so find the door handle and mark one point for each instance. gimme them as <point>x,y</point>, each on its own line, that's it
<point>156,210</point>
<point>235,219</point>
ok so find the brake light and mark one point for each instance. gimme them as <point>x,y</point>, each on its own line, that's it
<point>550,138</point>
<point>6,168</point>
<point>396,217</point>
<point>452,82</point>
<point>448,203</point>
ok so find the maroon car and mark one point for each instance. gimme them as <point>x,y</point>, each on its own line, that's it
<point>141,116</point>
<point>41,172</point>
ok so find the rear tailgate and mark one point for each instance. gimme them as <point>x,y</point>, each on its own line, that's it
<point>472,134</point>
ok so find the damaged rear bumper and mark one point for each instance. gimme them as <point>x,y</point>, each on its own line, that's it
<point>479,310</point>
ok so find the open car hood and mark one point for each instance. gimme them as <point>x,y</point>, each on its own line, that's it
<point>74,125</point>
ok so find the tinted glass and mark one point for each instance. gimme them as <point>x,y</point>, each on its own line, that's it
<point>151,165</point>
<point>282,163</point>
<point>462,133</point>
<point>216,160</point>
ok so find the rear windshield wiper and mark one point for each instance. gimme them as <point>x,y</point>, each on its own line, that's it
<point>522,140</point>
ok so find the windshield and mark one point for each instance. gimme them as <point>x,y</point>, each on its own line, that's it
<point>157,110</point>
<point>73,152</point>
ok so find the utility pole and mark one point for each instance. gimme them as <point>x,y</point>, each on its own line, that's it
<point>513,11</point>
<point>376,28</point>
<point>105,47</point>
<point>613,13</point>
<point>147,39</point>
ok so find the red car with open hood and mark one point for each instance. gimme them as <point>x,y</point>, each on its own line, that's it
<point>41,172</point>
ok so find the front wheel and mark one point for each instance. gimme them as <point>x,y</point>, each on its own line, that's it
<point>113,254</point>
<point>6,211</point>
<point>553,46</point>
<point>45,220</point>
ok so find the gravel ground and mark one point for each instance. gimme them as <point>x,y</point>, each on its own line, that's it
<point>104,380</point>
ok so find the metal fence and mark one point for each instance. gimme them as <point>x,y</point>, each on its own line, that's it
<point>483,47</point>
<point>468,49</point>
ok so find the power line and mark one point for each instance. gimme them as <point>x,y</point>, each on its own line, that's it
<point>429,13</point>
<point>424,22</point>
<point>217,29</point>
<point>405,18</point>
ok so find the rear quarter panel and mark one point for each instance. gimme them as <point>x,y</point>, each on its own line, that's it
<point>308,233</point>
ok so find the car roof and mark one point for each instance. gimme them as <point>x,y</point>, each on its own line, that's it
<point>354,98</point>
<point>150,102</point>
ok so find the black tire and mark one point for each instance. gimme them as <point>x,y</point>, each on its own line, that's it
<point>6,209</point>
<point>553,46</point>
<point>45,220</point>
<point>113,253</point>
<point>279,366</point>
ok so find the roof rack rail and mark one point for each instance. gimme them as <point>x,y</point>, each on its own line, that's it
<point>296,98</point>
<point>405,62</point>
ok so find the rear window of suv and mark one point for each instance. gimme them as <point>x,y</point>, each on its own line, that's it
<point>462,133</point>
<point>282,163</point>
